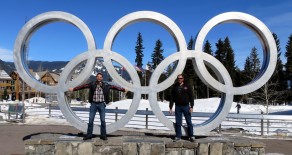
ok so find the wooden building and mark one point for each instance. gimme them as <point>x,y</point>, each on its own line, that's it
<point>7,86</point>
<point>22,89</point>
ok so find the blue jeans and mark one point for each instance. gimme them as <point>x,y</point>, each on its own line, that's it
<point>179,110</point>
<point>94,107</point>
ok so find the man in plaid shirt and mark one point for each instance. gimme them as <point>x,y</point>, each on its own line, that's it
<point>98,97</point>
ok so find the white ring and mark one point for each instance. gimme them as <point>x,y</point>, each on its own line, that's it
<point>199,58</point>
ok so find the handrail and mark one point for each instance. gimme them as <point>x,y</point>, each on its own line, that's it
<point>194,114</point>
<point>166,113</point>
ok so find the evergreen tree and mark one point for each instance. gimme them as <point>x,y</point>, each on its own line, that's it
<point>220,52</point>
<point>167,92</point>
<point>247,69</point>
<point>225,55</point>
<point>139,51</point>
<point>247,65</point>
<point>208,48</point>
<point>272,92</point>
<point>278,77</point>
<point>288,55</point>
<point>255,62</point>
<point>189,71</point>
<point>208,92</point>
<point>279,73</point>
<point>233,70</point>
<point>288,66</point>
<point>139,55</point>
<point>170,68</point>
<point>252,67</point>
<point>157,55</point>
<point>230,62</point>
<point>246,77</point>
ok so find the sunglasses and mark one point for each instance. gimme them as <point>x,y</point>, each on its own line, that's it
<point>180,78</point>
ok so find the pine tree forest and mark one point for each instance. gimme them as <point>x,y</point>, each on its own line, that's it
<point>276,91</point>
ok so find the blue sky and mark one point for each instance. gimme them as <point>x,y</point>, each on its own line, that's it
<point>62,42</point>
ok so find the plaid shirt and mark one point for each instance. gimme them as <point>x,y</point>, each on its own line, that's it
<point>102,94</point>
<point>98,94</point>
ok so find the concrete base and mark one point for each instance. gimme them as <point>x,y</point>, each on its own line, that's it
<point>60,144</point>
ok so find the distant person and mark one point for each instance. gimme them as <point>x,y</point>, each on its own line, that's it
<point>13,98</point>
<point>182,96</point>
<point>238,106</point>
<point>98,98</point>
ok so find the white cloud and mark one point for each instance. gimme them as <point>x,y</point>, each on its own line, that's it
<point>6,54</point>
<point>277,16</point>
<point>283,19</point>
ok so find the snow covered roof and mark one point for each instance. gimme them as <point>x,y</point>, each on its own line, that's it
<point>4,75</point>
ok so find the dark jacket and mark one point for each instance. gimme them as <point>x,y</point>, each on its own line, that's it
<point>238,106</point>
<point>183,97</point>
<point>105,88</point>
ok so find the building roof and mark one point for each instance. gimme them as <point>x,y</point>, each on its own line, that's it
<point>4,75</point>
<point>39,75</point>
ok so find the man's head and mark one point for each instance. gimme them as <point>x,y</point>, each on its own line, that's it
<point>180,78</point>
<point>99,77</point>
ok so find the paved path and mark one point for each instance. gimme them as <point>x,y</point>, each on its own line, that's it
<point>11,138</point>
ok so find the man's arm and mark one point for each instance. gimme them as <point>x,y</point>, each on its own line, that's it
<point>171,101</point>
<point>79,87</point>
<point>191,96</point>
<point>115,87</point>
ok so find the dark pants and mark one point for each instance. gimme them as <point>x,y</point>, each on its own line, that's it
<point>179,110</point>
<point>94,107</point>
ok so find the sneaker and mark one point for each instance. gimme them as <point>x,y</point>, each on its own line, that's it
<point>176,139</point>
<point>192,139</point>
<point>103,137</point>
<point>87,137</point>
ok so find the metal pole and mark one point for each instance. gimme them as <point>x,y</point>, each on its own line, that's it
<point>16,111</point>
<point>116,114</point>
<point>8,115</point>
<point>268,124</point>
<point>262,126</point>
<point>23,109</point>
<point>112,95</point>
<point>145,84</point>
<point>50,109</point>
<point>146,118</point>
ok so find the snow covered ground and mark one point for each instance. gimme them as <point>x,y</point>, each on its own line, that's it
<point>37,114</point>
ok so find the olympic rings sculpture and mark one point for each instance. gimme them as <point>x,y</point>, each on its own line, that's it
<point>199,58</point>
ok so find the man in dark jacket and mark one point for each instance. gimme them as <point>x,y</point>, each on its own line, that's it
<point>238,106</point>
<point>98,98</point>
<point>182,96</point>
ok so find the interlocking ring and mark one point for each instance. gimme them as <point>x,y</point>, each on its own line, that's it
<point>198,57</point>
